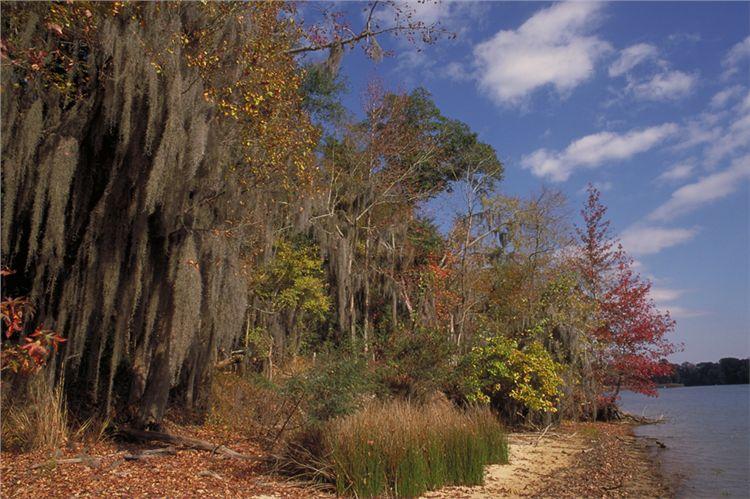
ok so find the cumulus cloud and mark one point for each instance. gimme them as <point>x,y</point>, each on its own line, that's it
<point>668,85</point>
<point>706,190</point>
<point>647,240</point>
<point>631,57</point>
<point>594,150</point>
<point>552,48</point>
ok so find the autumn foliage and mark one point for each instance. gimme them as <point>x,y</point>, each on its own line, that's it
<point>630,332</point>
<point>24,354</point>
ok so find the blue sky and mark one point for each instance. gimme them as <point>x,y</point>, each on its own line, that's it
<point>649,101</point>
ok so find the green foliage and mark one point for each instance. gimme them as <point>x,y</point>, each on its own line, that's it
<point>426,239</point>
<point>294,280</point>
<point>501,369</point>
<point>401,449</point>
<point>459,148</point>
<point>334,386</point>
<point>321,93</point>
<point>415,363</point>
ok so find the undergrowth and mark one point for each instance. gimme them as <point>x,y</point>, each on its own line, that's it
<point>39,422</point>
<point>401,449</point>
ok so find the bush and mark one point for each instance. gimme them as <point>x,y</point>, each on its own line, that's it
<point>252,406</point>
<point>398,448</point>
<point>335,386</point>
<point>39,422</point>
<point>283,412</point>
<point>501,371</point>
<point>415,364</point>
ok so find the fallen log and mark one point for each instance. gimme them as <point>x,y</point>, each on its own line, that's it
<point>149,453</point>
<point>91,462</point>
<point>190,443</point>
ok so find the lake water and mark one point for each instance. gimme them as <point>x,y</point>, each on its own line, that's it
<point>707,434</point>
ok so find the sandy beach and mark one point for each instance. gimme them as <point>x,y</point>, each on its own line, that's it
<point>573,460</point>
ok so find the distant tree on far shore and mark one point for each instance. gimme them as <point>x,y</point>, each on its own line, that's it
<point>728,371</point>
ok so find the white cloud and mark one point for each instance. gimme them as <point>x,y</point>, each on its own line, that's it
<point>647,240</point>
<point>679,171</point>
<point>721,98</point>
<point>678,312</point>
<point>428,13</point>
<point>457,72</point>
<point>551,48</point>
<point>659,294</point>
<point>736,54</point>
<point>664,296</point>
<point>593,150</point>
<point>705,190</point>
<point>731,139</point>
<point>454,16</point>
<point>604,186</point>
<point>631,57</point>
<point>667,85</point>
<point>722,133</point>
<point>745,105</point>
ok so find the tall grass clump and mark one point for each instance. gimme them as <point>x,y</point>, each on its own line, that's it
<point>38,422</point>
<point>402,449</point>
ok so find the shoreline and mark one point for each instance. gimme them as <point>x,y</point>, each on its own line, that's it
<point>569,460</point>
<point>574,460</point>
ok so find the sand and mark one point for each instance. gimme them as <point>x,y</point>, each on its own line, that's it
<point>574,460</point>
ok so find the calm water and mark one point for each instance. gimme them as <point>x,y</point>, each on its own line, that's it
<point>707,434</point>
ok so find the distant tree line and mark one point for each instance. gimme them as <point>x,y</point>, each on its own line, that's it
<point>728,371</point>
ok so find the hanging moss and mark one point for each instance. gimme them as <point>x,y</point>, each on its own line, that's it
<point>122,193</point>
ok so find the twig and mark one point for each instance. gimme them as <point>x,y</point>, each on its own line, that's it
<point>542,435</point>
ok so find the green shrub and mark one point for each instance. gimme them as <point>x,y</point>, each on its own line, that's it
<point>336,385</point>
<point>501,370</point>
<point>398,448</point>
<point>415,363</point>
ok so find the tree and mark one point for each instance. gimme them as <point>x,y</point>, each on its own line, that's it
<point>138,144</point>
<point>630,336</point>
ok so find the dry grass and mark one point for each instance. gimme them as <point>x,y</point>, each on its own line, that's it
<point>39,422</point>
<point>401,449</point>
<point>251,407</point>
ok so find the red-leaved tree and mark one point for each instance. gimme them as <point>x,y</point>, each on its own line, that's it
<point>19,353</point>
<point>631,333</point>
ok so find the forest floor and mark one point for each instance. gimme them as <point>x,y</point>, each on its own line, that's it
<point>572,460</point>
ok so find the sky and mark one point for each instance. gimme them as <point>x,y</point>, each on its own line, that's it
<point>648,101</point>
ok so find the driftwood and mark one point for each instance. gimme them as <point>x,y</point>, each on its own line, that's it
<point>91,462</point>
<point>210,473</point>
<point>235,357</point>
<point>642,420</point>
<point>149,453</point>
<point>191,443</point>
<point>542,435</point>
